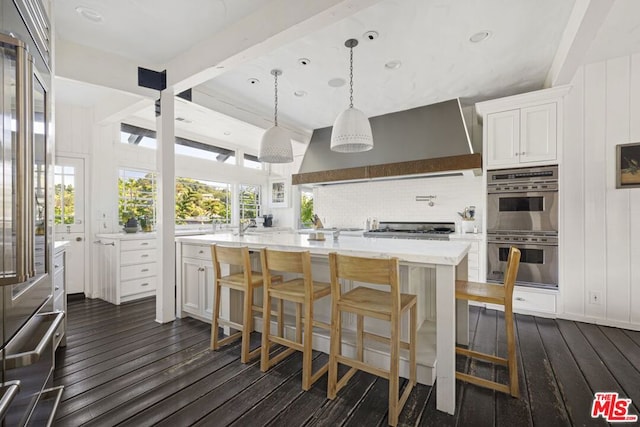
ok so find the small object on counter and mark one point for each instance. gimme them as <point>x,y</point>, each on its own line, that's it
<point>368,224</point>
<point>312,235</point>
<point>336,234</point>
<point>320,236</point>
<point>475,229</point>
<point>316,222</point>
<point>131,226</point>
<point>374,224</point>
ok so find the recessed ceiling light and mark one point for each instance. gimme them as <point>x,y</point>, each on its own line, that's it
<point>370,35</point>
<point>253,81</point>
<point>90,14</point>
<point>300,93</point>
<point>304,61</point>
<point>393,65</point>
<point>480,36</point>
<point>337,82</point>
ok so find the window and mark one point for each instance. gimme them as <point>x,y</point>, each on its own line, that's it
<point>201,202</point>
<point>306,208</point>
<point>249,201</point>
<point>64,209</point>
<point>141,137</point>
<point>137,197</point>
<point>252,162</point>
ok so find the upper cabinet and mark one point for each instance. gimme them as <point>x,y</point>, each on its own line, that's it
<point>522,130</point>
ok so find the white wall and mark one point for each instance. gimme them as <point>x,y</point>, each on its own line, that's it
<point>349,205</point>
<point>600,229</point>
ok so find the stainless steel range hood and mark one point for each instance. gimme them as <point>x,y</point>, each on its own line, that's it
<point>420,136</point>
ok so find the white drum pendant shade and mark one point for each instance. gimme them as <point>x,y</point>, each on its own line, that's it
<point>275,146</point>
<point>351,132</point>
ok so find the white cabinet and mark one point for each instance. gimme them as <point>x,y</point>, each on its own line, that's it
<point>522,130</point>
<point>196,277</point>
<point>127,267</point>
<point>59,294</point>
<point>474,256</point>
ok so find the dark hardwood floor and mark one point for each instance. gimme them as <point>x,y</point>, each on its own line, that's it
<point>122,368</point>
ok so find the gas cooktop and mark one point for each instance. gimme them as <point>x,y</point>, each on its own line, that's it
<point>413,230</point>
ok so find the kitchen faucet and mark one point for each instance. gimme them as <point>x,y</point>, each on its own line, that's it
<point>248,223</point>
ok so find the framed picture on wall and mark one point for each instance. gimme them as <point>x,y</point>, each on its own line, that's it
<point>628,165</point>
<point>278,193</point>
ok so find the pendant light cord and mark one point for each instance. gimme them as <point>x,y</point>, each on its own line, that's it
<point>351,77</point>
<point>276,100</point>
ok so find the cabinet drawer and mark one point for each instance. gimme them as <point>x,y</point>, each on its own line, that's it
<point>534,301</point>
<point>197,251</point>
<point>134,245</point>
<point>138,271</point>
<point>136,257</point>
<point>58,303</point>
<point>58,284</point>
<point>472,260</point>
<point>58,262</point>
<point>137,286</point>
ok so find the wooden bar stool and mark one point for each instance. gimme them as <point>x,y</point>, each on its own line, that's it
<point>246,281</point>
<point>502,295</point>
<point>363,301</point>
<point>302,291</point>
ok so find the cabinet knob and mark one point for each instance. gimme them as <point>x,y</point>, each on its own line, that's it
<point>200,268</point>
<point>57,288</point>
<point>517,154</point>
<point>201,252</point>
<point>523,153</point>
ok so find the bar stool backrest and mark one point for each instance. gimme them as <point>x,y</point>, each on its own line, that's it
<point>232,255</point>
<point>513,262</point>
<point>291,262</point>
<point>378,271</point>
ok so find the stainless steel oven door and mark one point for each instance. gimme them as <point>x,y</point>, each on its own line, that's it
<point>538,263</point>
<point>527,211</point>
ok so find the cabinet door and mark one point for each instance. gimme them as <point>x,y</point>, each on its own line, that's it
<point>207,286</point>
<point>503,138</point>
<point>191,279</point>
<point>538,133</point>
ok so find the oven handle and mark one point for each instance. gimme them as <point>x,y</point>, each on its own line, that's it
<point>12,388</point>
<point>30,357</point>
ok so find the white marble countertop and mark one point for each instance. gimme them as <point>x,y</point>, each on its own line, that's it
<point>466,236</point>
<point>58,245</point>
<point>410,251</point>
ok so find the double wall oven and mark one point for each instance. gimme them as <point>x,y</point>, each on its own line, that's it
<point>28,324</point>
<point>522,211</point>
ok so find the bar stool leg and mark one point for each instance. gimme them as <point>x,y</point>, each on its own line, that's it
<point>246,322</point>
<point>216,314</point>
<point>266,330</point>
<point>299,323</point>
<point>308,339</point>
<point>393,371</point>
<point>511,349</point>
<point>334,350</point>
<point>360,337</point>
<point>413,368</point>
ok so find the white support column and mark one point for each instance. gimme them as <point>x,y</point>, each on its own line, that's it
<point>165,224</point>
<point>445,339</point>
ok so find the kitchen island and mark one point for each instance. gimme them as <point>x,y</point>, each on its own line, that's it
<point>428,268</point>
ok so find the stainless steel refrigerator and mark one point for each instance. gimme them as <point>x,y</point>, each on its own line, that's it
<point>28,322</point>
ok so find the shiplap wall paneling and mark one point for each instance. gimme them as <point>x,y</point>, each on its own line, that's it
<point>572,197</point>
<point>634,194</point>
<point>73,127</point>
<point>617,200</point>
<point>595,185</point>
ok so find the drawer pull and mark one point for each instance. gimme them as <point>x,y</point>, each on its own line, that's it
<point>144,270</point>
<point>57,288</point>
<point>519,299</point>
<point>201,252</point>
<point>56,266</point>
<point>145,256</point>
<point>144,244</point>
<point>144,284</point>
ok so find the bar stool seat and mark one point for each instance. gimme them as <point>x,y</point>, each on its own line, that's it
<point>303,291</point>
<point>373,303</point>
<point>501,295</point>
<point>246,281</point>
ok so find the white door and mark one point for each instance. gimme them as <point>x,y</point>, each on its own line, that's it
<point>191,283</point>
<point>69,214</point>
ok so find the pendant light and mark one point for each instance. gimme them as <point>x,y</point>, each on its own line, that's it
<point>351,131</point>
<point>275,146</point>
